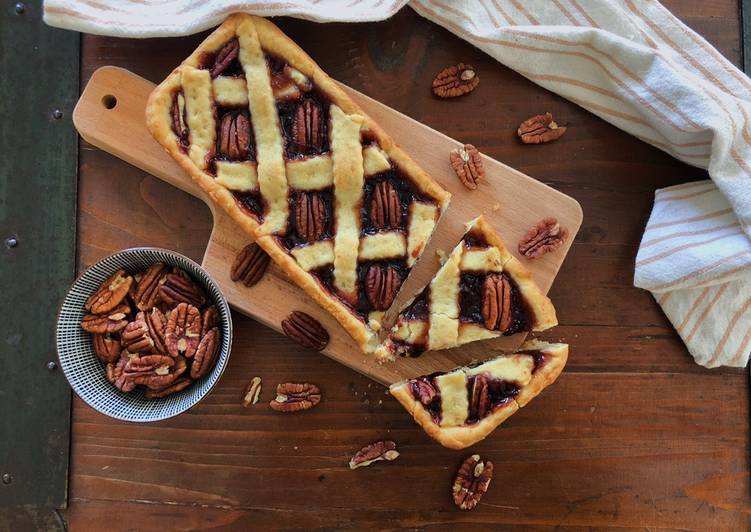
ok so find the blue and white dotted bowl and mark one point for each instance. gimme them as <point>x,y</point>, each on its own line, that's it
<point>86,373</point>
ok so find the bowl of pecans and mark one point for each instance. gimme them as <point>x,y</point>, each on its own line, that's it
<point>144,334</point>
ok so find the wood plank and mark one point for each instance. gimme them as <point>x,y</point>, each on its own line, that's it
<point>509,200</point>
<point>557,454</point>
<point>38,88</point>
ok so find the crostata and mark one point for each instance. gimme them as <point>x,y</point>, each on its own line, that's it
<point>300,167</point>
<point>480,292</point>
<point>461,407</point>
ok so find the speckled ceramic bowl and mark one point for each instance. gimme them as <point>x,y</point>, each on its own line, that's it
<point>86,373</point>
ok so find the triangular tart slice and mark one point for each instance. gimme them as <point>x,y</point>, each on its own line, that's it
<point>300,167</point>
<point>461,407</point>
<point>481,291</point>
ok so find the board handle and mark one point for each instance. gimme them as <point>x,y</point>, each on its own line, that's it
<point>110,114</point>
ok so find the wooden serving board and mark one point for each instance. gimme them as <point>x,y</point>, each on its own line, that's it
<point>110,115</point>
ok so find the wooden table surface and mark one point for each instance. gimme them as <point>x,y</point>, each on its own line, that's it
<point>633,434</point>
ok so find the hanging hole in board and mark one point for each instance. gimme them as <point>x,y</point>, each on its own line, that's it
<point>109,101</point>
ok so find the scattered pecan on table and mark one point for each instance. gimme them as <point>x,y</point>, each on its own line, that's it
<point>294,397</point>
<point>305,330</point>
<point>467,164</point>
<point>252,392</point>
<point>540,129</point>
<point>153,329</point>
<point>472,481</point>
<point>250,265</point>
<point>455,81</point>
<point>382,450</point>
<point>546,236</point>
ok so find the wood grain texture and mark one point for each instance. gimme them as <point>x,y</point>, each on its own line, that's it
<point>634,435</point>
<point>509,200</point>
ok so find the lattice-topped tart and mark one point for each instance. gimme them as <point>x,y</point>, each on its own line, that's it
<point>480,292</point>
<point>461,407</point>
<point>300,167</point>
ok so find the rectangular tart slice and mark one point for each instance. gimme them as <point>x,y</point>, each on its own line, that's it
<point>300,167</point>
<point>480,292</point>
<point>461,407</point>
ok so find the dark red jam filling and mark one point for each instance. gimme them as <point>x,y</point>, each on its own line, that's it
<point>404,188</point>
<point>537,356</point>
<point>499,392</point>
<point>251,203</point>
<point>470,303</point>
<point>475,239</point>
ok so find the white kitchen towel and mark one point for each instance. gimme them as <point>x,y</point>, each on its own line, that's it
<point>630,62</point>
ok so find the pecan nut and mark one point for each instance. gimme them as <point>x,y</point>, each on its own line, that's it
<point>174,387</point>
<point>455,81</point>
<point>252,392</point>
<point>136,337</point>
<point>106,347</point>
<point>116,375</point>
<point>209,319</point>
<point>206,352</point>
<point>424,391</point>
<point>310,216</point>
<point>307,131</point>
<point>385,207</point>
<point>110,323</point>
<point>178,288</point>
<point>467,164</point>
<point>234,136</point>
<point>381,286</point>
<point>479,404</point>
<point>250,265</point>
<point>382,450</point>
<point>305,330</point>
<point>157,323</point>
<point>540,129</point>
<point>183,330</point>
<point>154,371</point>
<point>224,57</point>
<point>294,397</point>
<point>546,236</point>
<point>146,294</point>
<point>110,294</point>
<point>496,302</point>
<point>472,481</point>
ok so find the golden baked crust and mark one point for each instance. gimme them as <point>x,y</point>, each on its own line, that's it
<point>443,328</point>
<point>256,37</point>
<point>464,435</point>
